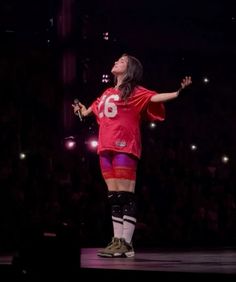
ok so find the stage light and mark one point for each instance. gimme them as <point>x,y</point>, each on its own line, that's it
<point>225,159</point>
<point>193,147</point>
<point>22,156</point>
<point>105,78</point>
<point>92,144</point>
<point>70,143</point>
<point>152,125</point>
<point>106,35</point>
<point>206,80</point>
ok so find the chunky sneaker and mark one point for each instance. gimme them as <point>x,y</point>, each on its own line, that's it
<point>110,249</point>
<point>124,250</point>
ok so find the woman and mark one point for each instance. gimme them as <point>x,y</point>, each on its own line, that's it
<point>119,112</point>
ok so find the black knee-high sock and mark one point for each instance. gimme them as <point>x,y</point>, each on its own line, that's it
<point>117,214</point>
<point>129,214</point>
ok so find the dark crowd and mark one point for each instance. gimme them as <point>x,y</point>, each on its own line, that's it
<point>185,197</point>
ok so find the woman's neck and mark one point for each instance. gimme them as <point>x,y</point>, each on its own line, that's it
<point>119,81</point>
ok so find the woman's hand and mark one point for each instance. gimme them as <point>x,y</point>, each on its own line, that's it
<point>76,108</point>
<point>186,82</point>
<point>80,109</point>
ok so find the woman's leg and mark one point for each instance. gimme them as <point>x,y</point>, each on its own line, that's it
<point>106,160</point>
<point>125,167</point>
<point>119,172</point>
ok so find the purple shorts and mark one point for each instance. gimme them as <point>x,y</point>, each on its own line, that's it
<point>118,165</point>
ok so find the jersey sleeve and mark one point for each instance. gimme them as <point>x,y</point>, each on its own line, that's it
<point>155,112</point>
<point>151,111</point>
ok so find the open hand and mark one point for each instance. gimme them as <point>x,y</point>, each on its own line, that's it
<point>186,81</point>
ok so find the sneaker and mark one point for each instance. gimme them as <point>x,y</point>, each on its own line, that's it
<point>110,249</point>
<point>124,250</point>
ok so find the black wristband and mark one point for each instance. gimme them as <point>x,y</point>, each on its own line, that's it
<point>179,90</point>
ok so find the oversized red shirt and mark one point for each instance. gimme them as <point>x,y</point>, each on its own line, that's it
<point>119,121</point>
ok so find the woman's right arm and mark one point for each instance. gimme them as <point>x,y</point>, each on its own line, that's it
<point>82,109</point>
<point>85,111</point>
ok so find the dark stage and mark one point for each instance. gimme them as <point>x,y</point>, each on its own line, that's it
<point>220,263</point>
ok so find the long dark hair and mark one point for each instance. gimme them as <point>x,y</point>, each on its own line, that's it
<point>133,77</point>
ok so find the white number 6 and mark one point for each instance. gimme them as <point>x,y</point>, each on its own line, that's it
<point>110,108</point>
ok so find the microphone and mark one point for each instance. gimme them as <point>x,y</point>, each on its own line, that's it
<point>78,113</point>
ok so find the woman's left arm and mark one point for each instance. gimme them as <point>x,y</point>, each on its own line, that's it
<point>162,97</point>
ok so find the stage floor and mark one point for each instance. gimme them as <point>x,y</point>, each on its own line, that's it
<point>210,262</point>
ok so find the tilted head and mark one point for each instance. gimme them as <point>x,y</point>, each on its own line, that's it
<point>128,73</point>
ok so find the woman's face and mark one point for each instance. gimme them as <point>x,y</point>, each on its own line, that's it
<point>120,66</point>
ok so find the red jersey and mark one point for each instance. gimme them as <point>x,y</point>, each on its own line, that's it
<point>119,121</point>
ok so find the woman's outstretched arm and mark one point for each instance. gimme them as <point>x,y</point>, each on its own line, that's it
<point>162,97</point>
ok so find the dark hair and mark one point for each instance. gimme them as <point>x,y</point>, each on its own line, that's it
<point>133,76</point>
